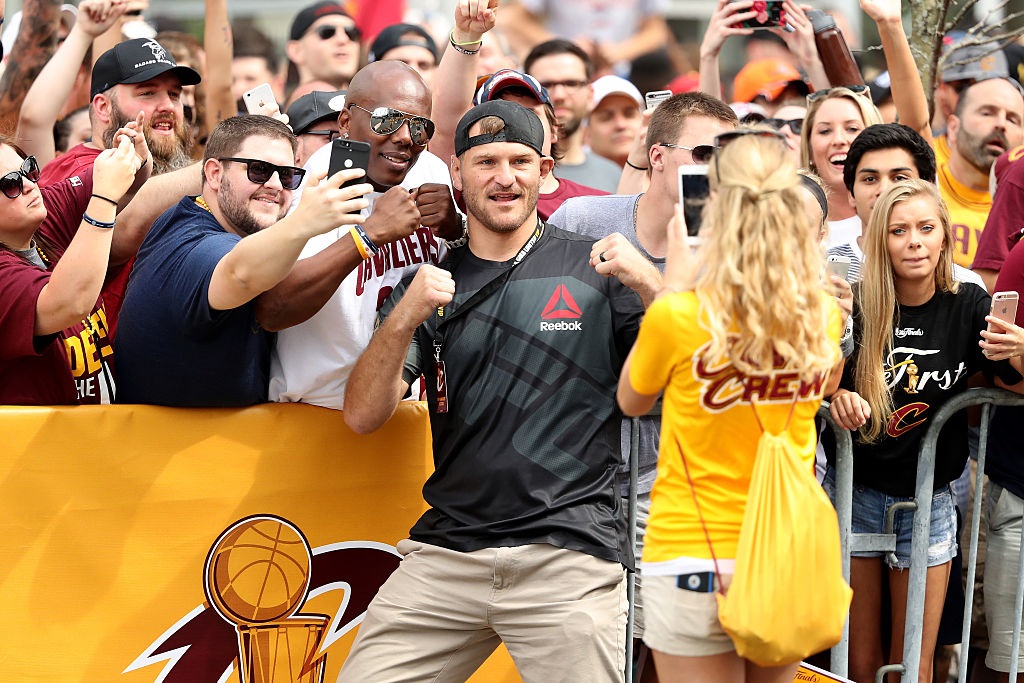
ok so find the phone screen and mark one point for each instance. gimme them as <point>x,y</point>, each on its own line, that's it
<point>693,195</point>
<point>770,14</point>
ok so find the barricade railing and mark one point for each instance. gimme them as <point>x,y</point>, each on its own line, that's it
<point>886,542</point>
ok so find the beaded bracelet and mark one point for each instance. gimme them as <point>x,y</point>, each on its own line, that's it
<point>360,247</point>
<point>366,240</point>
<point>99,224</point>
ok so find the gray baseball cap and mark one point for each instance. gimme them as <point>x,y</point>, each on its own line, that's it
<point>973,62</point>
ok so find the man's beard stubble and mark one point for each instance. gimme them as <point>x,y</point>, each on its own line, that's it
<point>167,153</point>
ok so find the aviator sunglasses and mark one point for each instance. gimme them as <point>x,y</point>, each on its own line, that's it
<point>12,184</point>
<point>860,90</point>
<point>701,153</point>
<point>327,32</point>
<point>385,121</point>
<point>260,172</point>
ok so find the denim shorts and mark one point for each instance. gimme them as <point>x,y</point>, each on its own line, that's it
<point>869,508</point>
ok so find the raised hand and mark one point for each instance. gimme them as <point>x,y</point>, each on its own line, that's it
<point>96,16</point>
<point>614,255</point>
<point>437,210</point>
<point>431,288</point>
<point>114,170</point>
<point>473,18</point>
<point>725,22</point>
<point>325,204</point>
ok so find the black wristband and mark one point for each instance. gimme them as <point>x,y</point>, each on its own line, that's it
<point>632,165</point>
<point>106,199</point>
<point>99,224</point>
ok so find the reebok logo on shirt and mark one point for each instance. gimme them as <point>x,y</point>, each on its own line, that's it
<point>562,307</point>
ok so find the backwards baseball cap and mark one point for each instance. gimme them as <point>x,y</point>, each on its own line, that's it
<point>615,85</point>
<point>510,78</point>
<point>766,78</point>
<point>973,62</point>
<point>315,107</point>
<point>397,35</point>
<point>521,125</point>
<point>308,15</point>
<point>136,61</point>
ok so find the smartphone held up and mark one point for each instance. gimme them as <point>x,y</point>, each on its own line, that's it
<point>770,14</point>
<point>693,195</point>
<point>260,100</point>
<point>346,154</point>
<point>1004,307</point>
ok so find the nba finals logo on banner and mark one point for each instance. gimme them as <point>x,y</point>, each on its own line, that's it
<point>258,574</point>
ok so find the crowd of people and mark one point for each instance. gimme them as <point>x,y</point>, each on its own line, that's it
<point>514,254</point>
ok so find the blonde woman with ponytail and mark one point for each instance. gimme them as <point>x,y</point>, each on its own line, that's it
<point>757,331</point>
<point>918,335</point>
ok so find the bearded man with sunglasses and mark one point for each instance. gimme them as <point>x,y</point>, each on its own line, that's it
<point>330,301</point>
<point>188,332</point>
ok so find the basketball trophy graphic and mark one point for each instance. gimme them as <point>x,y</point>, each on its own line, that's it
<point>256,577</point>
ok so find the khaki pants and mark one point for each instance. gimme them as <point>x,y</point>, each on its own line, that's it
<point>561,614</point>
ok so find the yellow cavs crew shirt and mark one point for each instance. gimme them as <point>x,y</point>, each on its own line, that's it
<point>707,408</point>
<point>968,211</point>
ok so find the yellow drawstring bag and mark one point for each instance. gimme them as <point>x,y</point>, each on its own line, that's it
<point>788,598</point>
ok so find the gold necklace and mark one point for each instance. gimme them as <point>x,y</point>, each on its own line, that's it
<point>202,202</point>
<point>42,254</point>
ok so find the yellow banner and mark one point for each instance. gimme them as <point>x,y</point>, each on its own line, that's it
<point>148,544</point>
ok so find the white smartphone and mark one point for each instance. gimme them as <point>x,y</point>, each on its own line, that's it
<point>259,100</point>
<point>839,265</point>
<point>1004,307</point>
<point>656,97</point>
<point>693,195</point>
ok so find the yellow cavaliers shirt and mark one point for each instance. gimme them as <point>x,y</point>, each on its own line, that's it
<point>707,414</point>
<point>968,211</point>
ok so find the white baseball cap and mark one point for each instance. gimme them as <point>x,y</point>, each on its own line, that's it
<point>614,85</point>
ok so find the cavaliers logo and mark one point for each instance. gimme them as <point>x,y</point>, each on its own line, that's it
<point>257,576</point>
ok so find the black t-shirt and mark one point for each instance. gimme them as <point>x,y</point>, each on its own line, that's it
<point>935,351</point>
<point>528,449</point>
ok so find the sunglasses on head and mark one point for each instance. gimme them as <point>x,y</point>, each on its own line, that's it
<point>861,90</point>
<point>385,121</point>
<point>261,172</point>
<point>724,139</point>
<point>330,134</point>
<point>701,153</point>
<point>795,125</point>
<point>12,184</point>
<point>327,31</point>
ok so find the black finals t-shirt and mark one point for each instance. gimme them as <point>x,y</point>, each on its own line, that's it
<point>934,352</point>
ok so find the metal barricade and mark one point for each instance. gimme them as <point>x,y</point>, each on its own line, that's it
<point>886,542</point>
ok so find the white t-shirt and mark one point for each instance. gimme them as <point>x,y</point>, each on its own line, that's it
<point>844,231</point>
<point>312,360</point>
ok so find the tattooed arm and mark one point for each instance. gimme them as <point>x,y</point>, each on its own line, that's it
<point>217,43</point>
<point>36,43</point>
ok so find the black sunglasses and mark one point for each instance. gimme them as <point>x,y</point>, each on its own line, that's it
<point>331,134</point>
<point>795,125</point>
<point>385,121</point>
<point>724,139</point>
<point>861,90</point>
<point>12,184</point>
<point>260,172</point>
<point>701,153</point>
<point>327,32</point>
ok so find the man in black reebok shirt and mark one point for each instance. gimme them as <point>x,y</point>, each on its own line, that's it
<point>521,342</point>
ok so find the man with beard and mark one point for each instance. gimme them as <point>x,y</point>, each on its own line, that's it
<point>132,77</point>
<point>565,70</point>
<point>521,342</point>
<point>188,333</point>
<point>986,123</point>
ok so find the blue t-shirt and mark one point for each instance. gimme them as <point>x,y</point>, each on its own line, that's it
<point>171,348</point>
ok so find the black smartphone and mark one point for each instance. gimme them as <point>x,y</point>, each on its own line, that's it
<point>770,14</point>
<point>346,154</point>
<point>693,194</point>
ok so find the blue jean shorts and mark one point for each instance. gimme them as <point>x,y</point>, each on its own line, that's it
<point>869,508</point>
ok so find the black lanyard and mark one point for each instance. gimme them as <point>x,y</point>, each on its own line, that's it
<point>480,295</point>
